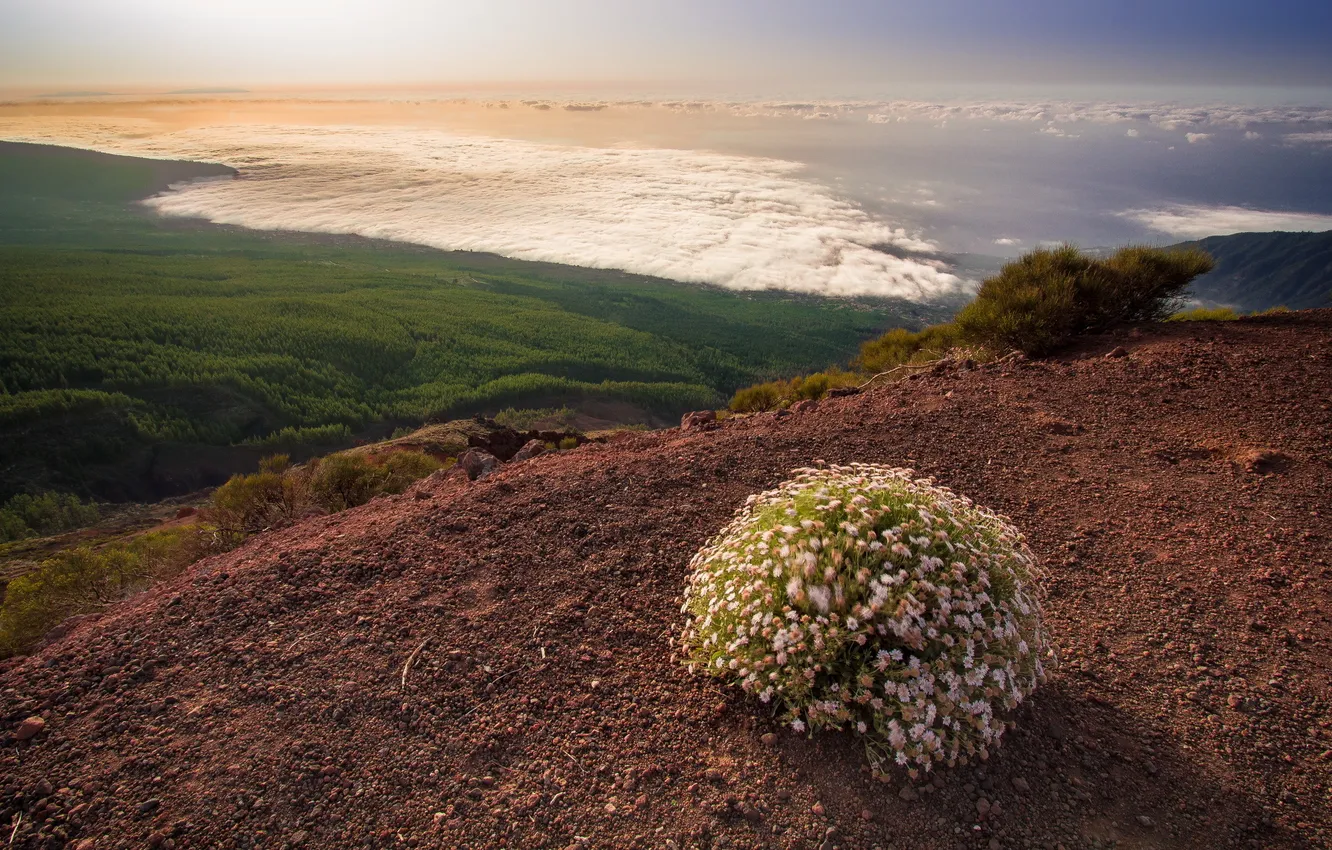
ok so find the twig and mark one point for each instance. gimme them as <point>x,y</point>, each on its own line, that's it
<point>14,832</point>
<point>578,764</point>
<point>411,659</point>
<point>874,378</point>
<point>469,711</point>
<point>502,678</point>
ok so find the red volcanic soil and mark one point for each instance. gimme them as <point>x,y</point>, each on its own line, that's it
<point>490,664</point>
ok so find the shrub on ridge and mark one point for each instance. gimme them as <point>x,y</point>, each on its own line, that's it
<point>857,597</point>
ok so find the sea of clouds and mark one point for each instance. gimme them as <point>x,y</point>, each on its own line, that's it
<point>740,216</point>
<point>745,223</point>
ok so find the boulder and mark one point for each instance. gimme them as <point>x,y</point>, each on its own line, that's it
<point>697,419</point>
<point>530,449</point>
<point>478,463</point>
<point>805,404</point>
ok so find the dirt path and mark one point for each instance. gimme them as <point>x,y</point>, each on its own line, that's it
<point>489,665</point>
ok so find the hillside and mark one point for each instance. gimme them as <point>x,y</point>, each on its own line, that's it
<point>489,664</point>
<point>131,341</point>
<point>1257,271</point>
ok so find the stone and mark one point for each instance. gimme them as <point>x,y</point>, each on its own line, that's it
<point>768,739</point>
<point>530,449</point>
<point>697,419</point>
<point>1021,784</point>
<point>839,392</point>
<point>478,463</point>
<point>817,808</point>
<point>1145,822</point>
<point>1118,351</point>
<point>1263,461</point>
<point>806,404</point>
<point>908,793</point>
<point>30,728</point>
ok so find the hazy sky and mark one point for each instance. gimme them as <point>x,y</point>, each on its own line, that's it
<point>759,46</point>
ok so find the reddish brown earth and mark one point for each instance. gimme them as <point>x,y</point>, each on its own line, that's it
<point>489,665</point>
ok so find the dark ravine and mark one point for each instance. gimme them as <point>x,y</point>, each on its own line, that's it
<point>490,664</point>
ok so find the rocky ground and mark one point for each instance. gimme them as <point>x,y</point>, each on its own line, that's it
<point>490,664</point>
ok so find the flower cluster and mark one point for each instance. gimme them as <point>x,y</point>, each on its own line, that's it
<point>860,597</point>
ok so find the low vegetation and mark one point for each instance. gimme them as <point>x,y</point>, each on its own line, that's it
<point>87,578</point>
<point>280,493</point>
<point>1049,296</point>
<point>82,580</point>
<point>25,516</point>
<point>1036,304</point>
<point>774,394</point>
<point>844,598</point>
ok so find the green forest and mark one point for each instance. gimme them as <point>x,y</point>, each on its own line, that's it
<point>122,331</point>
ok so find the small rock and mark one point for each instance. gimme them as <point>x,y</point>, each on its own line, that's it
<point>697,419</point>
<point>982,807</point>
<point>712,774</point>
<point>1118,351</point>
<point>530,449</point>
<point>866,815</point>
<point>839,392</point>
<point>751,814</point>
<point>783,794</point>
<point>1145,822</point>
<point>768,739</point>
<point>817,808</point>
<point>149,805</point>
<point>908,793</point>
<point>806,404</point>
<point>30,728</point>
<point>1021,784</point>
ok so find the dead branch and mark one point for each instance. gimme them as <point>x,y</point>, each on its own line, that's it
<point>411,659</point>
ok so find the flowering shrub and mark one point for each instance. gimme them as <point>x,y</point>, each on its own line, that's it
<point>858,597</point>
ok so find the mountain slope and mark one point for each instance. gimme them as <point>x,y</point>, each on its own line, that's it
<point>1257,271</point>
<point>490,665</point>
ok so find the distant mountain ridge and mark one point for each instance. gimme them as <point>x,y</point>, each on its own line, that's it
<point>1255,271</point>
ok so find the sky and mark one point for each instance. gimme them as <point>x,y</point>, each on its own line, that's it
<point>825,47</point>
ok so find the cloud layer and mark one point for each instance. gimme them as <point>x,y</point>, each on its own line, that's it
<point>740,222</point>
<point>1197,222</point>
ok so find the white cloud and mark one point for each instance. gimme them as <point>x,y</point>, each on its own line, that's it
<point>740,222</point>
<point>1323,137</point>
<point>1196,222</point>
<point>1008,241</point>
<point>1195,138</point>
<point>1252,136</point>
<point>1132,133</point>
